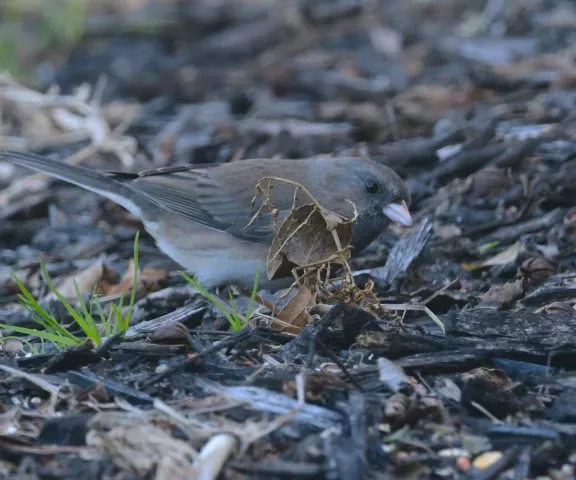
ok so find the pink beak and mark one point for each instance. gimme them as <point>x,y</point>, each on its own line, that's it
<point>399,213</point>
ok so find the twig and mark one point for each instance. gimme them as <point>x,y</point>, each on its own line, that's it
<point>340,365</point>
<point>238,337</point>
<point>420,308</point>
<point>213,456</point>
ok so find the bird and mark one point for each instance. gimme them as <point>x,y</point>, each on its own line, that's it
<point>200,215</point>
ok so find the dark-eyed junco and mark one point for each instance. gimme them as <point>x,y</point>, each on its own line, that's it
<point>198,214</point>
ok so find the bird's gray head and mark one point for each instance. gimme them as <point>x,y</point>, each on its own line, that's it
<point>377,191</point>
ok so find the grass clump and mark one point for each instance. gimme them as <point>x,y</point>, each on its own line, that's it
<point>93,327</point>
<point>236,321</point>
<point>31,28</point>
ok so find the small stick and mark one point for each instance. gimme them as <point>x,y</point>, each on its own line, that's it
<point>420,308</point>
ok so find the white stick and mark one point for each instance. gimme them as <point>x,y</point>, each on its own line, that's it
<point>213,457</point>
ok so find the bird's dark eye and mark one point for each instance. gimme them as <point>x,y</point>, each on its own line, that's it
<point>372,186</point>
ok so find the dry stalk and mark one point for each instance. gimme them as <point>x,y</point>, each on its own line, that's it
<point>316,273</point>
<point>404,307</point>
<point>79,115</point>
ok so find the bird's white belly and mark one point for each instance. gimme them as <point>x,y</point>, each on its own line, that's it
<point>215,258</point>
<point>216,267</point>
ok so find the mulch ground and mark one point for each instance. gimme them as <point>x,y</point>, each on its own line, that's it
<point>471,102</point>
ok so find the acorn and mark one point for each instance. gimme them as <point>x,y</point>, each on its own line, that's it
<point>489,180</point>
<point>280,80</point>
<point>171,334</point>
<point>535,270</point>
<point>12,346</point>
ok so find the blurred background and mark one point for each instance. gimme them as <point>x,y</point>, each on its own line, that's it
<point>38,37</point>
<point>194,81</point>
<point>144,42</point>
<point>199,81</point>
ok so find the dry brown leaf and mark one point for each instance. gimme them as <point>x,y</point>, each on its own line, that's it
<point>503,295</point>
<point>557,307</point>
<point>495,376</point>
<point>305,239</point>
<point>143,449</point>
<point>150,278</point>
<point>86,280</point>
<point>295,314</point>
<point>317,386</point>
<point>506,256</point>
<point>332,220</point>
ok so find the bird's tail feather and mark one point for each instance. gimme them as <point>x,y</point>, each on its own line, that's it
<point>83,177</point>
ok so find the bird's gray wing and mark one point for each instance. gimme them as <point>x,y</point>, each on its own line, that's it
<point>217,201</point>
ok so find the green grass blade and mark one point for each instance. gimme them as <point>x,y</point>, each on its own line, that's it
<point>58,340</point>
<point>252,298</point>
<point>69,308</point>
<point>87,323</point>
<point>30,301</point>
<point>103,319</point>
<point>83,316</point>
<point>209,296</point>
<point>120,324</point>
<point>125,320</point>
<point>236,325</point>
<point>39,314</point>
